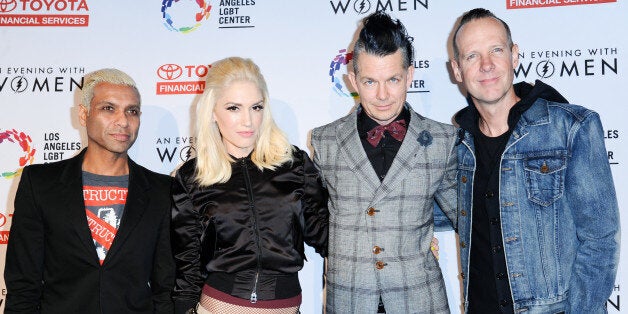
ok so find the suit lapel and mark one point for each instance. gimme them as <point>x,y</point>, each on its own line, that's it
<point>402,163</point>
<point>134,208</point>
<point>72,180</point>
<point>350,147</point>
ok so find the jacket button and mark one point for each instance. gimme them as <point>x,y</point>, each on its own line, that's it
<point>489,194</point>
<point>463,212</point>
<point>462,275</point>
<point>371,211</point>
<point>497,249</point>
<point>380,265</point>
<point>464,179</point>
<point>377,249</point>
<point>500,276</point>
<point>463,245</point>
<point>544,168</point>
<point>494,221</point>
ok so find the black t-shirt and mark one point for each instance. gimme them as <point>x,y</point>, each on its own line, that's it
<point>489,289</point>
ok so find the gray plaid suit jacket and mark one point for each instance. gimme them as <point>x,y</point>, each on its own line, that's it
<point>395,215</point>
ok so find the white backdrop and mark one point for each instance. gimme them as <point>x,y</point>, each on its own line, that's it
<point>302,47</point>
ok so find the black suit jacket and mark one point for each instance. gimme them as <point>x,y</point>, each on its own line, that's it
<point>51,262</point>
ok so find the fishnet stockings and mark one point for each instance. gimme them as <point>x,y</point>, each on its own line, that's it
<point>209,305</point>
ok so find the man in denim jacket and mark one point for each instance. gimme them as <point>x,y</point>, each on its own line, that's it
<point>538,216</point>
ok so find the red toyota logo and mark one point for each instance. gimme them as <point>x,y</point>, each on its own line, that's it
<point>7,5</point>
<point>169,71</point>
<point>3,220</point>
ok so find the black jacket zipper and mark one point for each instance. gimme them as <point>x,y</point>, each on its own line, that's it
<point>249,190</point>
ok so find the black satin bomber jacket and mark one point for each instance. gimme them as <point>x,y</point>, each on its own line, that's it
<point>255,223</point>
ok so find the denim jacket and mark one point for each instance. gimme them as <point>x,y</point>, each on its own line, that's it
<point>558,208</point>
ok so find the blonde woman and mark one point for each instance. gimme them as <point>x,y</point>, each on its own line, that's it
<point>245,205</point>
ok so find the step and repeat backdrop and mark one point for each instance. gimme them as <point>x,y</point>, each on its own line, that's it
<point>304,50</point>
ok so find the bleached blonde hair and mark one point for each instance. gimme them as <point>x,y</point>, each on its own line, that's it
<point>213,163</point>
<point>112,76</point>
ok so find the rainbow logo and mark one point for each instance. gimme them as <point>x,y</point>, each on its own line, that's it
<point>24,141</point>
<point>184,16</point>
<point>337,68</point>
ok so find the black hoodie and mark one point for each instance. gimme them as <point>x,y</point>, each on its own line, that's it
<point>467,118</point>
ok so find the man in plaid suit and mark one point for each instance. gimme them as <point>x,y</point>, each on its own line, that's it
<point>384,166</point>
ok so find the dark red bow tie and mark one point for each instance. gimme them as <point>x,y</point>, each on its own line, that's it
<point>396,129</point>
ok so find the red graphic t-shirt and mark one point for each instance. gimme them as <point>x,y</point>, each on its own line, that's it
<point>104,197</point>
